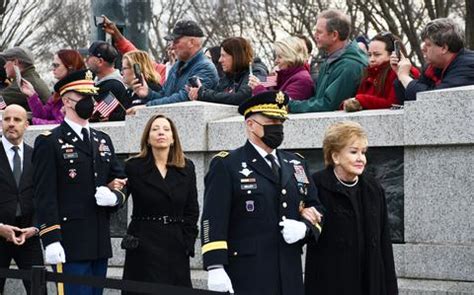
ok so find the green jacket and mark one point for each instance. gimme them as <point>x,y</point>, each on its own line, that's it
<point>338,80</point>
<point>13,95</point>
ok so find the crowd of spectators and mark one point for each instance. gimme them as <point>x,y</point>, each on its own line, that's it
<point>350,75</point>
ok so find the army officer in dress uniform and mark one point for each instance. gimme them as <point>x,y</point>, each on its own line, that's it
<point>252,231</point>
<point>73,165</point>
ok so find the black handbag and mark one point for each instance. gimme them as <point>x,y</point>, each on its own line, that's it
<point>129,242</point>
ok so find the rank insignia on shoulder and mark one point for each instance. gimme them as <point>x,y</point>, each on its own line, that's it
<point>299,155</point>
<point>46,133</point>
<point>222,154</point>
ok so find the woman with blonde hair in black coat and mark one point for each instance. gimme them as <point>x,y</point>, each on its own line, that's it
<point>354,252</point>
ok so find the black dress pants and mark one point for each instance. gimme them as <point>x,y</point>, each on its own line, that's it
<point>25,256</point>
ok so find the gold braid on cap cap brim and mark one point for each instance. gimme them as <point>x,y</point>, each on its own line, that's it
<point>270,109</point>
<point>82,86</point>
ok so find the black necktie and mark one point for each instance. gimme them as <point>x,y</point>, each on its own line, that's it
<point>17,174</point>
<point>275,167</point>
<point>85,138</point>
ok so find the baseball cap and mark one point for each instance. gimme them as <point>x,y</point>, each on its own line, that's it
<point>185,28</point>
<point>103,50</point>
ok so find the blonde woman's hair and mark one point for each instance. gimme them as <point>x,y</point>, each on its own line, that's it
<point>292,51</point>
<point>338,136</point>
<point>146,64</point>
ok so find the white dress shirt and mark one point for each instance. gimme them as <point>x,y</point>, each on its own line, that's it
<point>77,128</point>
<point>10,153</point>
<point>263,153</point>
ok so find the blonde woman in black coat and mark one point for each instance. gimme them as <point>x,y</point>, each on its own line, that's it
<point>354,252</point>
<point>160,239</point>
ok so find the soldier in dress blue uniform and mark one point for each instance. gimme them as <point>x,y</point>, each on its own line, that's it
<point>73,165</point>
<point>252,230</point>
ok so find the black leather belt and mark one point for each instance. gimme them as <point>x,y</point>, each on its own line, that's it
<point>160,219</point>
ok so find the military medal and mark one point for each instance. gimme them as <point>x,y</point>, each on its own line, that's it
<point>249,206</point>
<point>72,173</point>
<point>300,174</point>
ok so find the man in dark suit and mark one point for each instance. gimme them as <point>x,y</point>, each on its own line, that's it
<point>252,231</point>
<point>73,165</point>
<point>18,236</point>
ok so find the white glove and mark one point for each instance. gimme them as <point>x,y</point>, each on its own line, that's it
<point>54,254</point>
<point>293,230</point>
<point>105,197</point>
<point>218,280</point>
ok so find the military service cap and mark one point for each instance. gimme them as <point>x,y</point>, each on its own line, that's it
<point>80,81</point>
<point>272,104</point>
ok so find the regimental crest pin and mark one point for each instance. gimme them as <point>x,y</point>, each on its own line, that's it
<point>250,206</point>
<point>72,173</point>
<point>280,98</point>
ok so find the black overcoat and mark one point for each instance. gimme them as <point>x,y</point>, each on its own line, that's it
<point>333,265</point>
<point>163,252</point>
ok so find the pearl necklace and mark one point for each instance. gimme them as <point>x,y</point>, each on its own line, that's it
<point>345,183</point>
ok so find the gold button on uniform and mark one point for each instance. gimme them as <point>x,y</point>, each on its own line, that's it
<point>284,205</point>
<point>235,253</point>
<point>283,191</point>
<point>283,218</point>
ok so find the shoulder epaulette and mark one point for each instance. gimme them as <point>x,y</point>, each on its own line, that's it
<point>222,154</point>
<point>46,133</point>
<point>299,155</point>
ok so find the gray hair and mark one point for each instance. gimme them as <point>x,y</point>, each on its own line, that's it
<point>337,20</point>
<point>444,31</point>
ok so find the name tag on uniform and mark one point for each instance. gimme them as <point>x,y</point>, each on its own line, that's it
<point>248,186</point>
<point>68,156</point>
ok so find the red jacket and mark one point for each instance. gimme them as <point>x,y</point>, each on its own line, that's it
<point>367,93</point>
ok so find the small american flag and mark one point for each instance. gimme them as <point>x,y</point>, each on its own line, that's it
<point>106,106</point>
<point>2,103</point>
<point>270,82</point>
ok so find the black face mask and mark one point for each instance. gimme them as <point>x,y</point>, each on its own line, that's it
<point>272,135</point>
<point>85,107</point>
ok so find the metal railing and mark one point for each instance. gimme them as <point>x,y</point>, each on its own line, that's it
<point>39,276</point>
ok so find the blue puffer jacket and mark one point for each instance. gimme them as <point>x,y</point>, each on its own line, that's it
<point>174,87</point>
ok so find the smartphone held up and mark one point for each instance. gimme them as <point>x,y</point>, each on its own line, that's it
<point>17,75</point>
<point>396,47</point>
<point>138,73</point>
<point>99,21</point>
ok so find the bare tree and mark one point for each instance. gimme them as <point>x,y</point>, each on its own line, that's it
<point>64,29</point>
<point>21,19</point>
<point>165,14</point>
